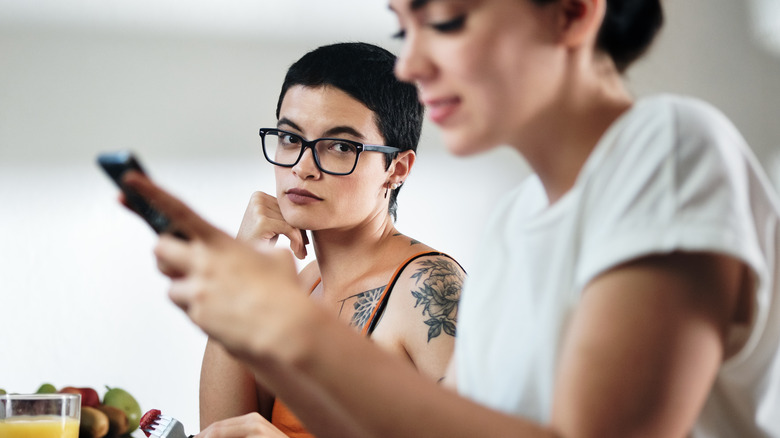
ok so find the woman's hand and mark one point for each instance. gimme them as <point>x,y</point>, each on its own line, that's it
<point>263,223</point>
<point>251,425</point>
<point>248,299</point>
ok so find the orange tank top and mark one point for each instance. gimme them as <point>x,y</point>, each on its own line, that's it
<point>281,416</point>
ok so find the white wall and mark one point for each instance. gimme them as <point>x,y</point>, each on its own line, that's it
<point>81,302</point>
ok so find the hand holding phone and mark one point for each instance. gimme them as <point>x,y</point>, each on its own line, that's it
<point>115,164</point>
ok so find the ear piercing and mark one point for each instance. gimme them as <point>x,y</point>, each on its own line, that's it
<point>393,186</point>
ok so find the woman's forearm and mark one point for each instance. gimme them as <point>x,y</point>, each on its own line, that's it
<point>374,394</point>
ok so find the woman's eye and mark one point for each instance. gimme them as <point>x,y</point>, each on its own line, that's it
<point>451,25</point>
<point>401,34</point>
<point>342,147</point>
<point>289,139</point>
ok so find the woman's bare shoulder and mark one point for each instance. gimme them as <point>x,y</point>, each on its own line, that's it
<point>423,310</point>
<point>434,282</point>
<point>309,274</point>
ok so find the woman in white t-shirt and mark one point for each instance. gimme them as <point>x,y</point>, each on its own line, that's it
<point>628,288</point>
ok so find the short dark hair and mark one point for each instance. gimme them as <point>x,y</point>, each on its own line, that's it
<point>365,72</point>
<point>628,29</point>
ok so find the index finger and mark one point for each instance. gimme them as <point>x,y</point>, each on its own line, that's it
<point>181,216</point>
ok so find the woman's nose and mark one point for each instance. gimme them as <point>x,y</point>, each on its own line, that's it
<point>413,63</point>
<point>306,167</point>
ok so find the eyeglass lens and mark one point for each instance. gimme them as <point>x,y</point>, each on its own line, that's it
<point>334,155</point>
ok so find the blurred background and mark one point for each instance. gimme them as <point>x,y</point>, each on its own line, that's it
<point>186,85</point>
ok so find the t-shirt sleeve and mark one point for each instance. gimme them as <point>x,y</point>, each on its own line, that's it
<point>675,178</point>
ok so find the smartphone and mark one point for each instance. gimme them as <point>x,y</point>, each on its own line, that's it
<point>115,164</point>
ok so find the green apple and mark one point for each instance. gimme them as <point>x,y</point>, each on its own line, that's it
<point>46,388</point>
<point>119,398</point>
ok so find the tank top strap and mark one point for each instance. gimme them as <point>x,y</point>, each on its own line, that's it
<point>316,283</point>
<point>380,307</point>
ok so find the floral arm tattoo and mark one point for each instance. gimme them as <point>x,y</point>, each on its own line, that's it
<point>438,295</point>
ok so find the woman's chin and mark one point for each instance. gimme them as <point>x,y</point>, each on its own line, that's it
<point>298,219</point>
<point>303,224</point>
<point>464,145</point>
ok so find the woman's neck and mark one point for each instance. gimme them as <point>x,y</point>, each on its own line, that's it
<point>563,137</point>
<point>345,256</point>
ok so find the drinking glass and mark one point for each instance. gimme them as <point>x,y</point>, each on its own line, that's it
<point>40,415</point>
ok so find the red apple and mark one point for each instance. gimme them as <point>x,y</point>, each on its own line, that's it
<point>89,397</point>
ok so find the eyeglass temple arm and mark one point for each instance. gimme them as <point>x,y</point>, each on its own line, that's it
<point>380,148</point>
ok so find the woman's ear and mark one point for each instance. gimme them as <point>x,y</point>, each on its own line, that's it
<point>580,21</point>
<point>402,166</point>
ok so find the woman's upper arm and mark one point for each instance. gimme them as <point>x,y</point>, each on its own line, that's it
<point>429,293</point>
<point>450,375</point>
<point>227,388</point>
<point>645,344</point>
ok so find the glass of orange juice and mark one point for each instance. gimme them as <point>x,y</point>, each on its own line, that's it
<point>40,415</point>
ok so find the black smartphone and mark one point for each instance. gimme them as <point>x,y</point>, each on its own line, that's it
<point>115,164</point>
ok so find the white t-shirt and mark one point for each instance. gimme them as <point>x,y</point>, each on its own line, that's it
<point>670,174</point>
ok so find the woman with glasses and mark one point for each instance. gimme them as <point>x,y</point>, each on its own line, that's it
<point>343,145</point>
<point>628,288</point>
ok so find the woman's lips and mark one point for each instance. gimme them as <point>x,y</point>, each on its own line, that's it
<point>441,109</point>
<point>301,196</point>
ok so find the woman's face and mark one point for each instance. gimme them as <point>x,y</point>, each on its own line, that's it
<point>311,199</point>
<point>484,68</point>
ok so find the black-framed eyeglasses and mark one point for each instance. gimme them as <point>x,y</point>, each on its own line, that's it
<point>334,156</point>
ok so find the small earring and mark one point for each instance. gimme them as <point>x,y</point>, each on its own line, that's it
<point>396,185</point>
